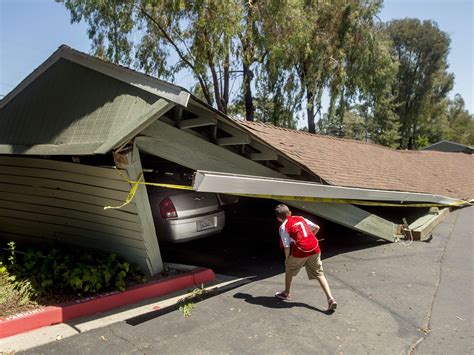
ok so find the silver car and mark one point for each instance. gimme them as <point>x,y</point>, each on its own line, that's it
<point>181,215</point>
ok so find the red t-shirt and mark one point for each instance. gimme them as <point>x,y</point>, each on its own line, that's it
<point>296,233</point>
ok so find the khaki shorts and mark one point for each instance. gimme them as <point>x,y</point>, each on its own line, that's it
<point>313,265</point>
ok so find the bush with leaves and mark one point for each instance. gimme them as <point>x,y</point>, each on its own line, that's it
<point>64,271</point>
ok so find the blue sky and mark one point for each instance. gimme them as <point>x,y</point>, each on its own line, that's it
<point>30,30</point>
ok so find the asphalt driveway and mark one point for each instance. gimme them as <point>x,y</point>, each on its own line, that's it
<point>392,299</point>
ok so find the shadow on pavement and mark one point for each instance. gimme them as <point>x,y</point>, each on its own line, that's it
<point>149,316</point>
<point>273,302</point>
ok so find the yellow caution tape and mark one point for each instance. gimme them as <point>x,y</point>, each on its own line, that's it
<point>135,185</point>
<point>130,195</point>
<point>352,202</point>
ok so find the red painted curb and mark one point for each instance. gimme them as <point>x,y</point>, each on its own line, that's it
<point>44,316</point>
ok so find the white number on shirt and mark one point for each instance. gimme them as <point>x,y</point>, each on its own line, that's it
<point>303,228</point>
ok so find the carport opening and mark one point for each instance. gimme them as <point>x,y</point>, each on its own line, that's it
<point>249,244</point>
<point>249,241</point>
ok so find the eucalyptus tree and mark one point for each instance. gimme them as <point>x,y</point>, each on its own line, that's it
<point>422,82</point>
<point>213,40</point>
<point>328,46</point>
<point>460,121</point>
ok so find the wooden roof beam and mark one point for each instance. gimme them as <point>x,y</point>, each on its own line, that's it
<point>263,156</point>
<point>288,167</point>
<point>235,140</point>
<point>197,122</point>
<point>290,170</point>
<point>265,153</point>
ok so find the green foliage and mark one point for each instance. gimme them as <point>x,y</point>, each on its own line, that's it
<point>66,271</point>
<point>423,81</point>
<point>273,60</point>
<point>186,305</point>
<point>460,122</point>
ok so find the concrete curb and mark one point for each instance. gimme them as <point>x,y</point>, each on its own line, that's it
<point>44,316</point>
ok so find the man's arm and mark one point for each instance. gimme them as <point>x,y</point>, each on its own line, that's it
<point>285,241</point>
<point>313,226</point>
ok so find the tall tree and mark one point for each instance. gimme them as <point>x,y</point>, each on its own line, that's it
<point>328,46</point>
<point>423,81</point>
<point>460,121</point>
<point>164,37</point>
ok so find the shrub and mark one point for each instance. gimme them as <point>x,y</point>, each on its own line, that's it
<point>13,293</point>
<point>65,271</point>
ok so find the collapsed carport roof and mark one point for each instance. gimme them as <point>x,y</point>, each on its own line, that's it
<point>351,163</point>
<point>77,104</point>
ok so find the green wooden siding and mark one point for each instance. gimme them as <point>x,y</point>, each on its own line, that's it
<point>49,200</point>
<point>70,104</point>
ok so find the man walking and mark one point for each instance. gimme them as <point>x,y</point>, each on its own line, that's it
<point>301,249</point>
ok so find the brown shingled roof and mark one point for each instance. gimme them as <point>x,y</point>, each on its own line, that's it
<point>347,162</point>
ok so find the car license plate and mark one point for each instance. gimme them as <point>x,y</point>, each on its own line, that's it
<point>205,224</point>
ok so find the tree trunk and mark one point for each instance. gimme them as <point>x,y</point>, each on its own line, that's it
<point>225,86</point>
<point>247,60</point>
<point>310,111</point>
<point>342,110</point>
<point>248,99</point>
<point>215,82</point>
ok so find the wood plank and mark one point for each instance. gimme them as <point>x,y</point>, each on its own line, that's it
<point>134,126</point>
<point>197,122</point>
<point>30,206</point>
<point>118,196</point>
<point>149,239</point>
<point>116,214</point>
<point>41,228</point>
<point>18,233</point>
<point>120,185</point>
<point>133,255</point>
<point>263,156</point>
<point>50,149</point>
<point>290,170</point>
<point>108,173</point>
<point>422,232</point>
<point>68,197</point>
<point>351,217</point>
<point>85,225</point>
<point>236,140</point>
<point>196,153</point>
<point>178,114</point>
<point>230,129</point>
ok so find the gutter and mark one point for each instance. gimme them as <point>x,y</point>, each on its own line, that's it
<point>285,189</point>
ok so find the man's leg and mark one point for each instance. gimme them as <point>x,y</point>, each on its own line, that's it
<point>314,268</point>
<point>292,267</point>
<point>325,286</point>
<point>288,280</point>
